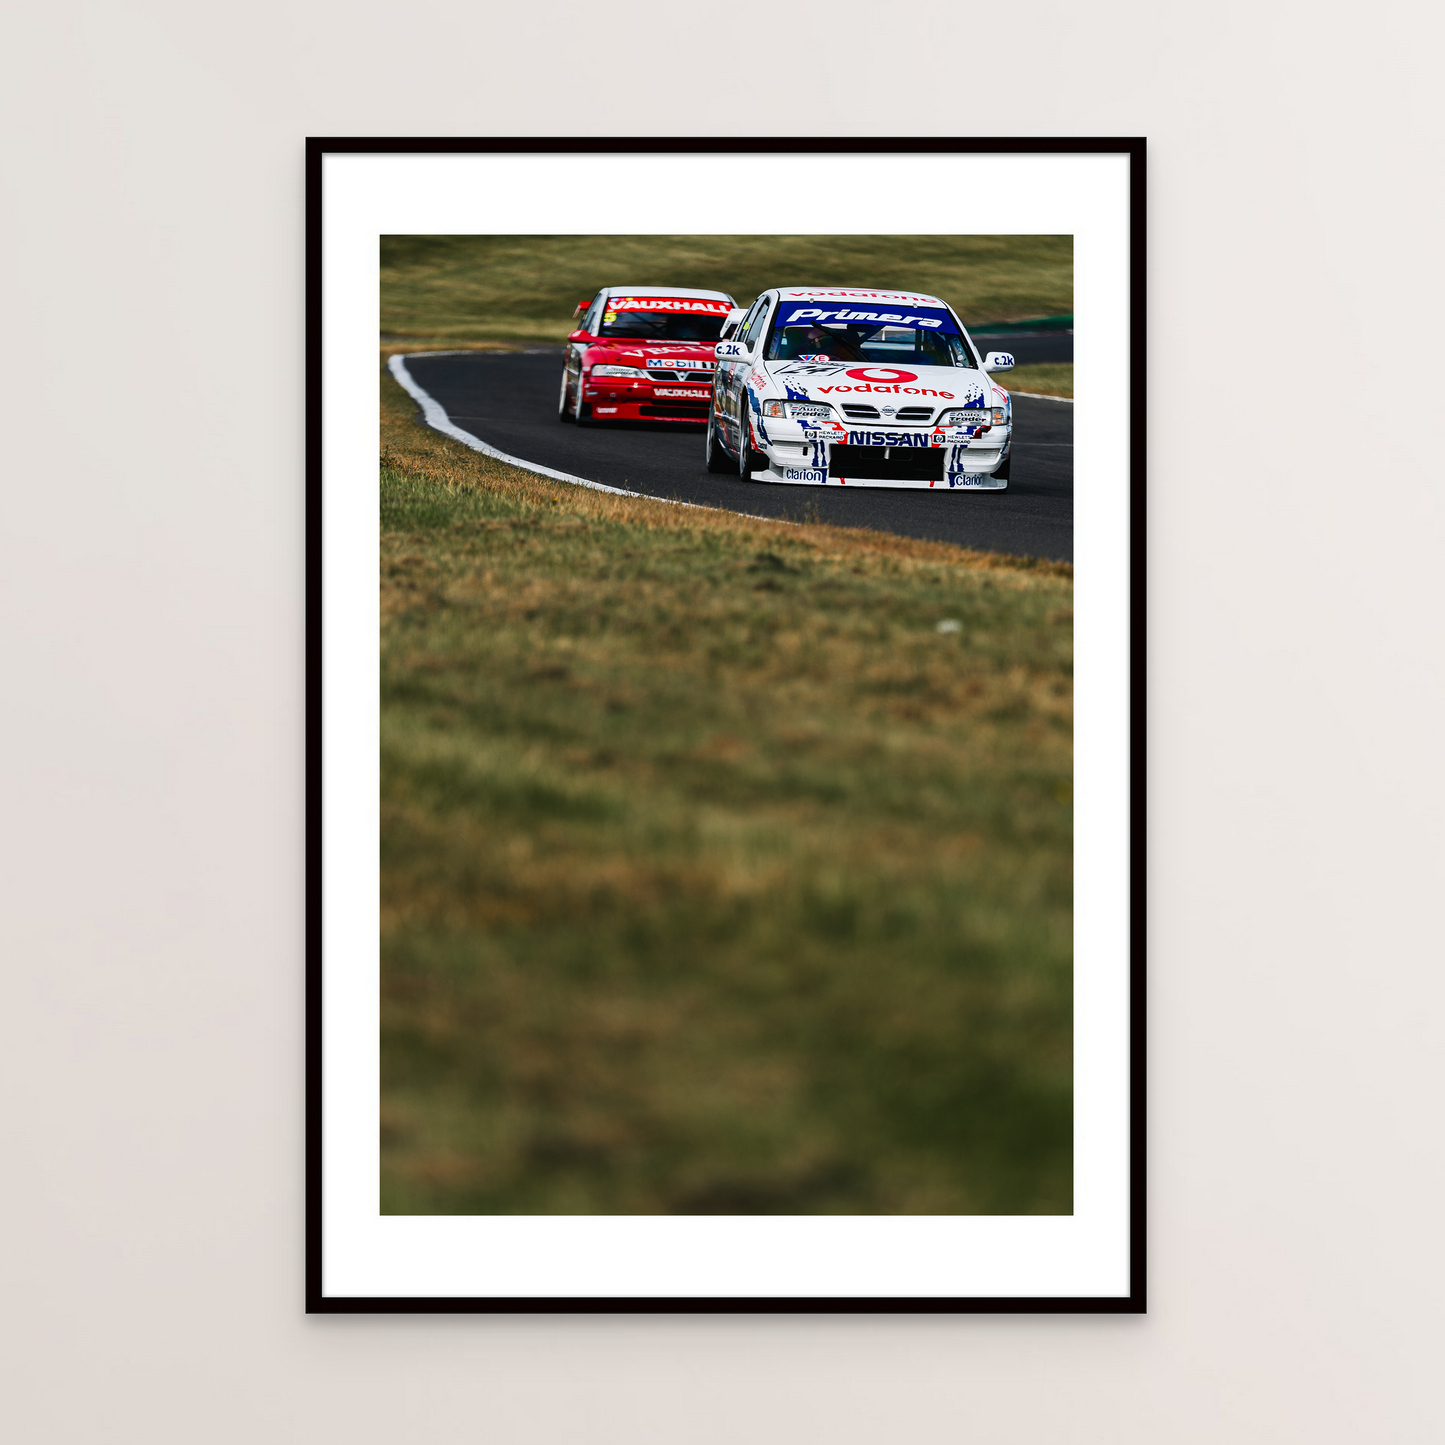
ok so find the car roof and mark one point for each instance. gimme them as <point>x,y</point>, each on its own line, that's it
<point>854,293</point>
<point>680,291</point>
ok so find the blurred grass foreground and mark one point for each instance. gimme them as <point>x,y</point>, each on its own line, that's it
<point>726,864</point>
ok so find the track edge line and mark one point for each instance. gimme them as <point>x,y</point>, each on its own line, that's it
<point>436,418</point>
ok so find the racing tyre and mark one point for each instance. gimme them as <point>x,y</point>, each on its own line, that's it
<point>749,461</point>
<point>584,415</point>
<point>1001,475</point>
<point>717,459</point>
<point>564,402</point>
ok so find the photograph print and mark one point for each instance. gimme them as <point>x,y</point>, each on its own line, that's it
<point>725,755</point>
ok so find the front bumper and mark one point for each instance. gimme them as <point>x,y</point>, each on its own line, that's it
<point>616,399</point>
<point>868,455</point>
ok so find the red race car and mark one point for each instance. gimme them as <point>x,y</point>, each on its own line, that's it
<point>643,353</point>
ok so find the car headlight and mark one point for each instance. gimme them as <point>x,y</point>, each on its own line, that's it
<point>634,372</point>
<point>795,409</point>
<point>1000,415</point>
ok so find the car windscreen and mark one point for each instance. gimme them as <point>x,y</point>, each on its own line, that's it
<point>817,331</point>
<point>663,318</point>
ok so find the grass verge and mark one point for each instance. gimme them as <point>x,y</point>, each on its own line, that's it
<point>524,288</point>
<point>719,874</point>
<point>1054,378</point>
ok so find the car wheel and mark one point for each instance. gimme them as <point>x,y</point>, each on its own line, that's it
<point>717,459</point>
<point>564,401</point>
<point>582,408</point>
<point>749,461</point>
<point>1001,475</point>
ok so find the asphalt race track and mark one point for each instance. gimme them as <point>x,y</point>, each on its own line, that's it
<point>1028,348</point>
<point>509,400</point>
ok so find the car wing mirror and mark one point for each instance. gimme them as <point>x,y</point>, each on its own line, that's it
<point>998,361</point>
<point>580,336</point>
<point>731,351</point>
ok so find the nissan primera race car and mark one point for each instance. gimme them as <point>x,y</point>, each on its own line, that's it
<point>862,388</point>
<point>642,353</point>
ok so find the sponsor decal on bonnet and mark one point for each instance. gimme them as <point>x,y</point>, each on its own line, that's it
<point>881,373</point>
<point>892,390</point>
<point>812,368</point>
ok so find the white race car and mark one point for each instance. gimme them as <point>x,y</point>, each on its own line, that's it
<point>817,385</point>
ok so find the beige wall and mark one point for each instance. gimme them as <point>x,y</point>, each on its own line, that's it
<point>150,590</point>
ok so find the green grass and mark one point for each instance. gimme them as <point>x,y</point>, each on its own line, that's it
<point>716,878</point>
<point>1054,378</point>
<point>524,288</point>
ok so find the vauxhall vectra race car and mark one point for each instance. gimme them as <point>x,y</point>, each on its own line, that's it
<point>642,353</point>
<point>862,388</point>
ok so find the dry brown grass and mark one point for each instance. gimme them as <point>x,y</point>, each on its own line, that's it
<point>715,877</point>
<point>525,287</point>
<point>1054,378</point>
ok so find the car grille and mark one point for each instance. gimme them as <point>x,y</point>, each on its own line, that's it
<point>704,378</point>
<point>901,464</point>
<point>676,408</point>
<point>870,413</point>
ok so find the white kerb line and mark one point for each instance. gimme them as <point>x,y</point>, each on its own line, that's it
<point>437,418</point>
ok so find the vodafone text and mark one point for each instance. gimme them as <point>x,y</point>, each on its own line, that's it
<point>902,390</point>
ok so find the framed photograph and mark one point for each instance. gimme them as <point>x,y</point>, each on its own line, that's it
<point>725,889</point>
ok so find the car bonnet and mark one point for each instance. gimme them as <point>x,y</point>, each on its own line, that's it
<point>622,352</point>
<point>876,384</point>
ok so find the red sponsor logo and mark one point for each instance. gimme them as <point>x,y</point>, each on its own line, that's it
<point>892,388</point>
<point>668,303</point>
<point>881,373</point>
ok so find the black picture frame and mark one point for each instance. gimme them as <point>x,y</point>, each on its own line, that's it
<point>316,1300</point>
